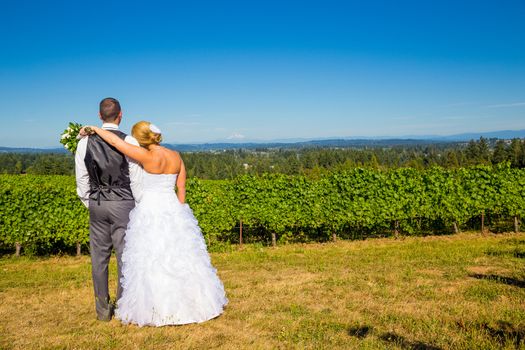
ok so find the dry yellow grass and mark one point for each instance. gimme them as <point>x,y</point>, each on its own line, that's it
<point>455,292</point>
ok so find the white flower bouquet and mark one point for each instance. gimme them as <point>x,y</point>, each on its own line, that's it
<point>70,137</point>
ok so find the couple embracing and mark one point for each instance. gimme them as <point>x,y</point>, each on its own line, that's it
<point>165,276</point>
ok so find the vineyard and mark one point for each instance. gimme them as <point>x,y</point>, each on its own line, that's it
<point>42,213</point>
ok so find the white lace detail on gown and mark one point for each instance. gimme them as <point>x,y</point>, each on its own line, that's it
<point>168,276</point>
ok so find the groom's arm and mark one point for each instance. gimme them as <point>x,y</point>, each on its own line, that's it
<point>135,172</point>
<point>81,172</point>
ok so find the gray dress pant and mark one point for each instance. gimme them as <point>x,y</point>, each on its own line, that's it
<point>107,227</point>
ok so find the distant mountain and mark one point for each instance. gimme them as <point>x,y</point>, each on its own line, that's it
<point>339,142</point>
<point>336,143</point>
<point>348,142</point>
<point>504,134</point>
<point>31,150</point>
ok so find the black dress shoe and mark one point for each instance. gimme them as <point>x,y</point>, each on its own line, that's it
<point>107,314</point>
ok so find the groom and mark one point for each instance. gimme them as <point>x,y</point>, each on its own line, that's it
<point>108,185</point>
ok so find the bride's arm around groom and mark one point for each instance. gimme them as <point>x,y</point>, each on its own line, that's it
<point>153,157</point>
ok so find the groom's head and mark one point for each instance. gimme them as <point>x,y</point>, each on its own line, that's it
<point>110,111</point>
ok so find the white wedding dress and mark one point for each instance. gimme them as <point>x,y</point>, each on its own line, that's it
<point>168,278</point>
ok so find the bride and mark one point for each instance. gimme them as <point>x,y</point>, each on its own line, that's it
<point>168,278</point>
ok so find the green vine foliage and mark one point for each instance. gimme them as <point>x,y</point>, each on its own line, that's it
<point>42,212</point>
<point>213,205</point>
<point>39,212</point>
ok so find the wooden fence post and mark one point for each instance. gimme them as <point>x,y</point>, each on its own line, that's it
<point>396,229</point>
<point>274,239</point>
<point>516,225</point>
<point>240,232</point>
<point>456,229</point>
<point>79,249</point>
<point>18,247</point>
<point>483,221</point>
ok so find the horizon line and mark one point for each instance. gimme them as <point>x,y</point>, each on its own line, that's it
<point>295,140</point>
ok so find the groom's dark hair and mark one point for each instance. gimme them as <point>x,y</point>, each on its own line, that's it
<point>109,109</point>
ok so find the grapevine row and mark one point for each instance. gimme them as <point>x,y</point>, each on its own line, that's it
<point>42,212</point>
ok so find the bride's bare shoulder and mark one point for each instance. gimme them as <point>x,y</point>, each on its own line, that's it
<point>175,153</point>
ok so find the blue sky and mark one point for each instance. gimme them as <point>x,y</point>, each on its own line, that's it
<point>263,70</point>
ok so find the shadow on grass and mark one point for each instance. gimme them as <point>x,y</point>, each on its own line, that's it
<point>502,332</point>
<point>501,279</point>
<point>406,344</point>
<point>362,332</point>
<point>359,332</point>
<point>511,253</point>
<point>520,255</point>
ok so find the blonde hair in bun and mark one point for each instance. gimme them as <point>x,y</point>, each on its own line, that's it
<point>142,132</point>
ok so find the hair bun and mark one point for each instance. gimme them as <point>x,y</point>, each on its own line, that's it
<point>146,133</point>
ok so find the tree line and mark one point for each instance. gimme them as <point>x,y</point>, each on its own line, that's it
<point>310,162</point>
<point>37,163</point>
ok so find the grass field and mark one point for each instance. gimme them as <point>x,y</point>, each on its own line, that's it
<point>465,291</point>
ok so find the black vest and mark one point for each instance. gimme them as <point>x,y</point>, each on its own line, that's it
<point>108,170</point>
